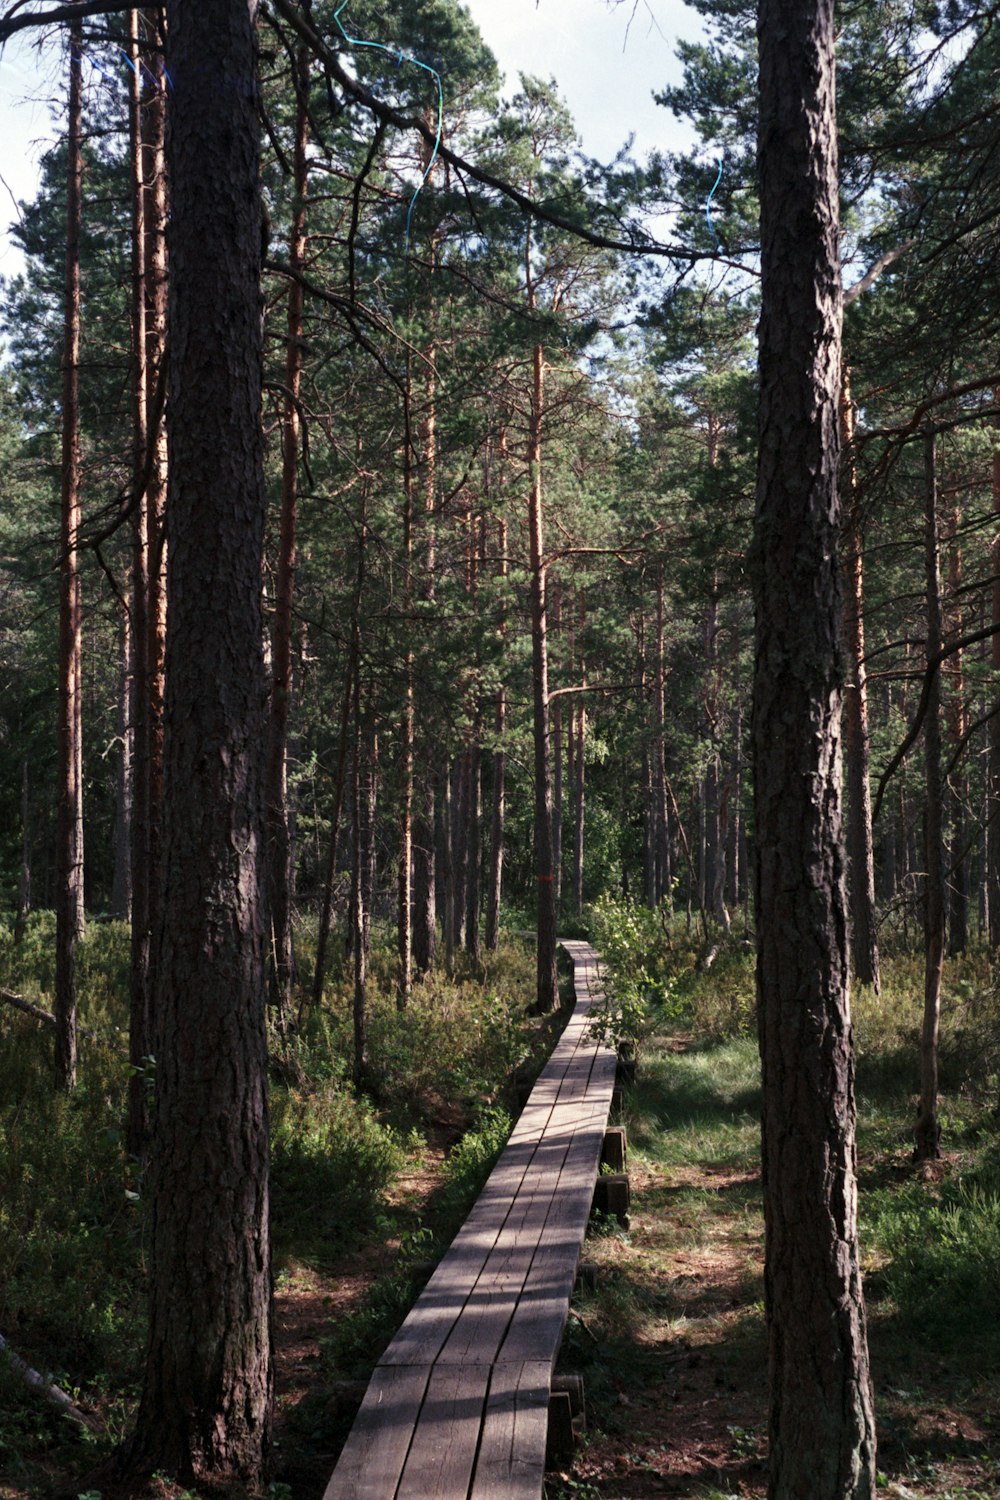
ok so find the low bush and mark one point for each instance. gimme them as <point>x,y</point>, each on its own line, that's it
<point>331,1162</point>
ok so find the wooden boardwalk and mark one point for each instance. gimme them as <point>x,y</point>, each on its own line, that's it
<point>457,1408</point>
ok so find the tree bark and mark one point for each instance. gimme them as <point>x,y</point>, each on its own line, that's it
<point>579,804</point>
<point>860,849</point>
<point>958,904</point>
<point>280,871</point>
<point>928,1129</point>
<point>498,819</point>
<point>821,1427</point>
<point>993,799</point>
<point>353,657</point>
<point>424,842</point>
<point>404,920</point>
<point>547,996</point>
<point>205,1409</point>
<point>359,947</point>
<point>140,1046</point>
<point>121,881</point>
<point>69,851</point>
<point>24,888</point>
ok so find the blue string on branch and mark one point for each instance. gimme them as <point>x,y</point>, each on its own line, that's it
<point>117,82</point>
<point>708,207</point>
<point>401,56</point>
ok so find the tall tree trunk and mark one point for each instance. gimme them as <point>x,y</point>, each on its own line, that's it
<point>121,882</point>
<point>404,918</point>
<point>205,1409</point>
<point>958,905</point>
<point>69,848</point>
<point>140,1045</point>
<point>154,118</point>
<point>661,816</point>
<point>359,948</point>
<point>497,823</point>
<point>993,799</point>
<point>928,1129</point>
<point>353,658</point>
<point>447,821</point>
<point>460,795</point>
<point>280,871</point>
<point>473,879</point>
<point>547,980</point>
<point>24,888</point>
<point>579,803</point>
<point>556,719</point>
<point>822,1430</point>
<point>424,841</point>
<point>860,849</point>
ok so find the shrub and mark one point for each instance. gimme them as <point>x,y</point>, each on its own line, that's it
<point>331,1162</point>
<point>943,1270</point>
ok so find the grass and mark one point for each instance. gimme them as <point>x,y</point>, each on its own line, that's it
<point>673,1342</point>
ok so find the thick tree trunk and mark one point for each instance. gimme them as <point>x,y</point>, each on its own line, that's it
<point>154,122</point>
<point>928,1129</point>
<point>205,1409</point>
<point>822,1432</point>
<point>148,595</point>
<point>140,1046</point>
<point>280,872</point>
<point>860,850</point>
<point>69,847</point>
<point>547,980</point>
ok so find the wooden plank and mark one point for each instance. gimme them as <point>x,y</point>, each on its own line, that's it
<point>537,1324</point>
<point>375,1452</point>
<point>469,1372</point>
<point>511,1463</point>
<point>443,1452</point>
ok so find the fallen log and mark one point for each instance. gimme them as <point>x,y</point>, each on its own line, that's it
<point>19,1003</point>
<point>44,1387</point>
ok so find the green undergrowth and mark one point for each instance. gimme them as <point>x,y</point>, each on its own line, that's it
<point>74,1236</point>
<point>675,1329</point>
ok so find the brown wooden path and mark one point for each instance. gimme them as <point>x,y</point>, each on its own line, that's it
<point>457,1408</point>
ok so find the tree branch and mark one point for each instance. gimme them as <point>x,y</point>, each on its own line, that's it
<point>11,23</point>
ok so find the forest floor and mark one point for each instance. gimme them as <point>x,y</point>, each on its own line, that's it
<point>669,1334</point>
<point>670,1338</point>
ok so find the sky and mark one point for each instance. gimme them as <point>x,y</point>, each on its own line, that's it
<point>606,57</point>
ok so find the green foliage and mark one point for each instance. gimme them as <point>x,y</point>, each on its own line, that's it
<point>71,1226</point>
<point>331,1162</point>
<point>458,1039</point>
<point>943,1253</point>
<point>471,1161</point>
<point>637,980</point>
